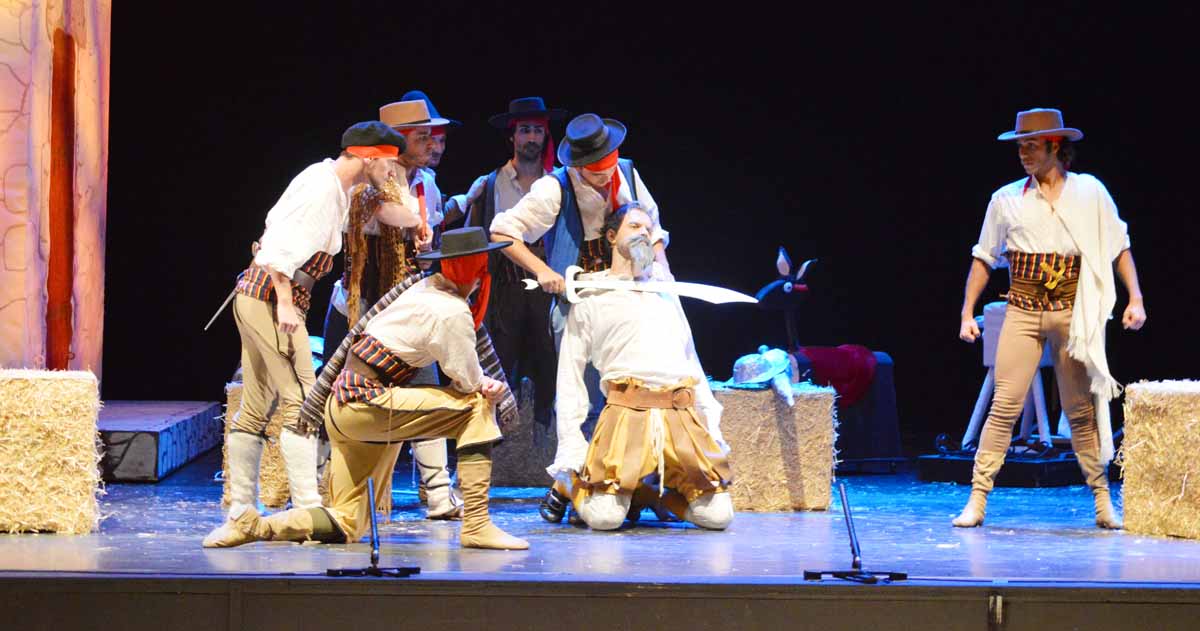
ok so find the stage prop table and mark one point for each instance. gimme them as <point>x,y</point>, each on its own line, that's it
<point>782,457</point>
<point>49,451</point>
<point>1160,458</point>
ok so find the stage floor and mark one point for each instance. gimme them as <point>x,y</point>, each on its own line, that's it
<point>1040,535</point>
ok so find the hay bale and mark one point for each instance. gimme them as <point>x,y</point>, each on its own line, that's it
<point>1160,458</point>
<point>49,451</point>
<point>528,448</point>
<point>272,474</point>
<point>782,457</point>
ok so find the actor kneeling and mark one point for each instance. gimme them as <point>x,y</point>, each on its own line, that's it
<point>371,411</point>
<point>641,344</point>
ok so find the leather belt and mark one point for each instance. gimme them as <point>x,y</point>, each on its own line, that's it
<point>630,396</point>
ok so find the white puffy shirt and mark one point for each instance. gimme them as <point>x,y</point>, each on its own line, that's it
<point>535,214</point>
<point>430,322</point>
<point>1020,218</point>
<point>307,219</point>
<point>623,334</point>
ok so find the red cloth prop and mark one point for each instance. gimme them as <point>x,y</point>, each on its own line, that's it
<point>373,151</point>
<point>464,270</point>
<point>849,368</point>
<point>603,164</point>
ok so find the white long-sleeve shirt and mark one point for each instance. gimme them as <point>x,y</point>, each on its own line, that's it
<point>307,219</point>
<point>1019,217</point>
<point>535,214</point>
<point>430,322</point>
<point>623,334</point>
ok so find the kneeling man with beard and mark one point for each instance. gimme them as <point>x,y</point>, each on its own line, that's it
<point>661,424</point>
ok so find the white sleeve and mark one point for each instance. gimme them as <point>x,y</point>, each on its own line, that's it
<point>643,195</point>
<point>992,236</point>
<point>1115,230</point>
<point>406,211</point>
<point>302,222</point>
<point>571,399</point>
<point>534,215</point>
<point>452,344</point>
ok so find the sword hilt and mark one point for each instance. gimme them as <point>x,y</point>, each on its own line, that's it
<point>569,283</point>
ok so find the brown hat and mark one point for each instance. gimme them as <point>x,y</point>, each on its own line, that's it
<point>414,113</point>
<point>1040,122</point>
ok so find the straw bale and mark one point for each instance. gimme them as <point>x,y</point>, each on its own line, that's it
<point>272,474</point>
<point>782,458</point>
<point>49,451</point>
<point>528,448</point>
<point>1160,458</point>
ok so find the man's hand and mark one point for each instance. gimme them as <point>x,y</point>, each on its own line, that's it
<point>423,238</point>
<point>1135,316</point>
<point>492,389</point>
<point>378,171</point>
<point>968,331</point>
<point>289,320</point>
<point>552,282</point>
<point>477,188</point>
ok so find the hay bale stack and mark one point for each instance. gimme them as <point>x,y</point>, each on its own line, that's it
<point>1160,458</point>
<point>528,448</point>
<point>272,474</point>
<point>49,451</point>
<point>782,457</point>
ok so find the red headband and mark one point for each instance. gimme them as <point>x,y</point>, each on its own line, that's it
<point>548,149</point>
<point>373,151</point>
<point>614,184</point>
<point>438,131</point>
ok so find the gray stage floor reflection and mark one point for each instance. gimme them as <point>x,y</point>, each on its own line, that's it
<point>903,524</point>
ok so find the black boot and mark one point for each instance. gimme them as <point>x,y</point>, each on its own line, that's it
<point>553,507</point>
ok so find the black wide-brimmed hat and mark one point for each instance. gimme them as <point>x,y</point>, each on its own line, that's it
<point>415,95</point>
<point>463,242</point>
<point>372,133</point>
<point>589,138</point>
<point>526,107</point>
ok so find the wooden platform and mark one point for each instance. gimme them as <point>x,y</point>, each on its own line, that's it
<point>144,441</point>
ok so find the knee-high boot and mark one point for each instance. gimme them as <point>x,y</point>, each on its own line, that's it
<point>983,478</point>
<point>300,459</point>
<point>297,524</point>
<point>243,454</point>
<point>435,488</point>
<point>478,531</point>
<point>1096,475</point>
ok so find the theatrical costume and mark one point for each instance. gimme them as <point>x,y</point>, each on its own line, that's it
<point>1062,291</point>
<point>301,236</point>
<point>378,257</point>
<point>374,407</point>
<point>519,320</point>
<point>660,418</point>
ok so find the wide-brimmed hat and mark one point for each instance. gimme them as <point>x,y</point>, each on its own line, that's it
<point>1040,121</point>
<point>590,138</point>
<point>414,95</point>
<point>463,242</point>
<point>372,134</point>
<point>526,107</point>
<point>410,113</point>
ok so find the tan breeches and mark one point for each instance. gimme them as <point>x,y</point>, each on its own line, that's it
<point>366,438</point>
<point>272,364</point>
<point>1018,353</point>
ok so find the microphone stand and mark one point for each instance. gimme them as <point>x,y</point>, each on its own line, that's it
<point>374,569</point>
<point>856,573</point>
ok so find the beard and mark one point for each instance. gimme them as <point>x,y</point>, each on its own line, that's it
<point>640,253</point>
<point>530,152</point>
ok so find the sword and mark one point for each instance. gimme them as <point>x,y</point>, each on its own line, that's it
<point>707,293</point>
<point>228,299</point>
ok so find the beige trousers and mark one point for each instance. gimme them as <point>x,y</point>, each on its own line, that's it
<point>366,438</point>
<point>272,364</point>
<point>1022,339</point>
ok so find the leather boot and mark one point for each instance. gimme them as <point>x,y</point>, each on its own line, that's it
<point>243,454</point>
<point>554,505</point>
<point>300,459</point>
<point>1095,473</point>
<point>434,488</point>
<point>478,531</point>
<point>983,478</point>
<point>248,526</point>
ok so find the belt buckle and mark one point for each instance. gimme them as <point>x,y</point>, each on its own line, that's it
<point>681,398</point>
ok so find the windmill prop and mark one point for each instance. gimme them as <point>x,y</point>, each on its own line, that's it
<point>786,294</point>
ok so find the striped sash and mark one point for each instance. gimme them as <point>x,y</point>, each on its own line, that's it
<point>312,411</point>
<point>256,281</point>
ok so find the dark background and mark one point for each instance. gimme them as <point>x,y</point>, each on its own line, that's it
<point>863,137</point>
